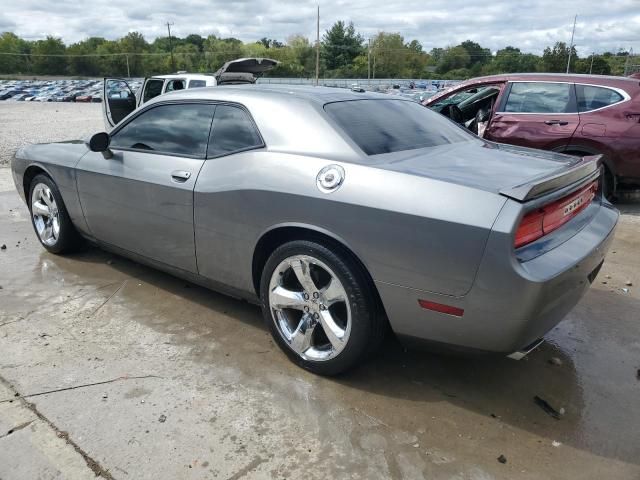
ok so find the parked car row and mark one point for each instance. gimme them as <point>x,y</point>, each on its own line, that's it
<point>51,90</point>
<point>241,70</point>
<point>237,71</point>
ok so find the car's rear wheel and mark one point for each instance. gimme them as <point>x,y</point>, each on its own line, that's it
<point>320,307</point>
<point>609,180</point>
<point>49,217</point>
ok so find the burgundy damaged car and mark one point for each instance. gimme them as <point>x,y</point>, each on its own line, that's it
<point>573,114</point>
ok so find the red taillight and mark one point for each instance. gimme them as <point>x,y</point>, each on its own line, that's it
<point>530,228</point>
<point>545,220</point>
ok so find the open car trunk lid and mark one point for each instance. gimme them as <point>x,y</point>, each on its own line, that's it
<point>255,66</point>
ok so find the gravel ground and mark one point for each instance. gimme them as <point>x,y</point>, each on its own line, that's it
<point>22,123</point>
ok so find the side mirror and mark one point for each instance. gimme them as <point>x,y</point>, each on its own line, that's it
<point>99,142</point>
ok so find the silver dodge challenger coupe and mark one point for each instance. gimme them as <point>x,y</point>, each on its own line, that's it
<point>344,214</point>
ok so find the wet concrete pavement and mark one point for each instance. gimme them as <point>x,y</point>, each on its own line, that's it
<point>126,372</point>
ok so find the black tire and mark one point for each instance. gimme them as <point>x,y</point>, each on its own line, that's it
<point>609,183</point>
<point>368,323</point>
<point>68,240</point>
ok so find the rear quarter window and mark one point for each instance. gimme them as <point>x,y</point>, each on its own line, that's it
<point>592,98</point>
<point>385,126</point>
<point>197,83</point>
<point>232,131</point>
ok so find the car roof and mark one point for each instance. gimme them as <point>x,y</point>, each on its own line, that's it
<point>606,80</point>
<point>318,95</point>
<point>187,76</point>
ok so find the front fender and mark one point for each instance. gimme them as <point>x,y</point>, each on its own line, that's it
<point>58,161</point>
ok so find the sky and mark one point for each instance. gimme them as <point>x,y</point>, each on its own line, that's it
<point>603,25</point>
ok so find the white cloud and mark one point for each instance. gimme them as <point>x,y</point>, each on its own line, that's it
<point>530,25</point>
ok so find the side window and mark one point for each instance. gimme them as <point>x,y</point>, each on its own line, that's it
<point>152,89</point>
<point>540,97</point>
<point>172,85</point>
<point>232,131</point>
<point>171,129</point>
<point>197,83</point>
<point>592,98</point>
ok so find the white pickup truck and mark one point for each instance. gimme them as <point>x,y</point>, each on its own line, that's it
<point>120,100</point>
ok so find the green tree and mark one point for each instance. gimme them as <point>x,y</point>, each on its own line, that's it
<point>386,50</point>
<point>417,59</point>
<point>507,60</point>
<point>82,59</point>
<point>15,60</point>
<point>220,50</point>
<point>555,59</point>
<point>529,63</point>
<point>454,58</point>
<point>187,57</point>
<point>111,61</point>
<point>477,54</point>
<point>392,58</point>
<point>340,45</point>
<point>47,56</point>
<point>270,43</point>
<point>196,40</point>
<point>134,44</point>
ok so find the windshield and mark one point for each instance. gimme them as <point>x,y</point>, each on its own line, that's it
<point>385,126</point>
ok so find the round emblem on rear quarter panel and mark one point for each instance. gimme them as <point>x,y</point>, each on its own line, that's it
<point>330,178</point>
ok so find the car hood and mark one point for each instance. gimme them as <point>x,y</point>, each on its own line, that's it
<point>479,164</point>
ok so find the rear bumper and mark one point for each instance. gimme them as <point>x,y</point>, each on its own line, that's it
<point>511,303</point>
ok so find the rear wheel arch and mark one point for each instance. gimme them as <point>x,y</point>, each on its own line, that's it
<point>275,237</point>
<point>584,150</point>
<point>578,150</point>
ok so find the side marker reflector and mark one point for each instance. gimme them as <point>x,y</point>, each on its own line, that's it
<point>439,307</point>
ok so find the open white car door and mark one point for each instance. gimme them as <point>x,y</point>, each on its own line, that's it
<point>118,101</point>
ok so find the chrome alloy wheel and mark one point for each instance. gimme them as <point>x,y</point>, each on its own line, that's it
<point>45,214</point>
<point>310,307</point>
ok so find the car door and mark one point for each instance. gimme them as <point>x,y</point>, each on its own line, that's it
<point>141,199</point>
<point>119,101</point>
<point>535,114</point>
<point>151,88</point>
<point>219,210</point>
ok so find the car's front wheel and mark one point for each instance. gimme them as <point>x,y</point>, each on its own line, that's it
<point>320,306</point>
<point>49,216</point>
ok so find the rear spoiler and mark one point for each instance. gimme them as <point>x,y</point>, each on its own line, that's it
<point>586,168</point>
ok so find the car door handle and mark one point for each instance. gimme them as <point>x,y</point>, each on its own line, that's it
<point>180,175</point>
<point>556,122</point>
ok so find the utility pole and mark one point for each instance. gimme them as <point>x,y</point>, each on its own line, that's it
<point>318,47</point>
<point>173,65</point>
<point>627,61</point>
<point>591,67</point>
<point>571,44</point>
<point>369,62</point>
<point>128,73</point>
<point>374,65</point>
